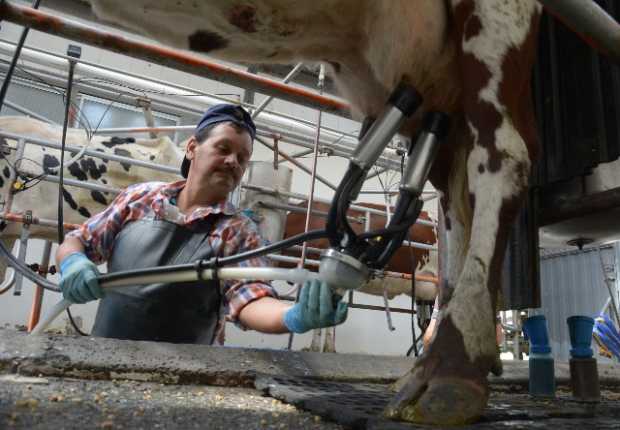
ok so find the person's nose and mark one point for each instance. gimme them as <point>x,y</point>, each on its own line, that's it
<point>232,161</point>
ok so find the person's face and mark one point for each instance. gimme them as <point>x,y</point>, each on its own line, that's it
<point>219,162</point>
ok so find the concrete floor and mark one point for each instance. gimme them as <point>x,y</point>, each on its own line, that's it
<point>69,403</point>
<point>57,382</point>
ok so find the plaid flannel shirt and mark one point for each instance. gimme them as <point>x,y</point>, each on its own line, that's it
<point>232,234</point>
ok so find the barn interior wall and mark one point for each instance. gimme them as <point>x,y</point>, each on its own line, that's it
<point>572,283</point>
<point>364,332</point>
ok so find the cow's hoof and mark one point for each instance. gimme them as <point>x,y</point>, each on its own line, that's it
<point>441,401</point>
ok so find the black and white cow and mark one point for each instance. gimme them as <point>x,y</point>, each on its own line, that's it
<point>469,58</point>
<point>79,203</point>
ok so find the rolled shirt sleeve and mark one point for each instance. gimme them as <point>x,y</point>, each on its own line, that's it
<point>237,294</point>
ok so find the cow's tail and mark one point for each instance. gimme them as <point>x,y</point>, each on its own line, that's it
<point>591,22</point>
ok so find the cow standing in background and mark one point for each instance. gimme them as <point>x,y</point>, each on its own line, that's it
<point>405,260</point>
<point>79,203</point>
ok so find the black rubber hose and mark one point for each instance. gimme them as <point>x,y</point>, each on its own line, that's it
<point>387,231</point>
<point>374,251</point>
<point>26,271</point>
<point>216,263</point>
<point>397,240</point>
<point>337,215</point>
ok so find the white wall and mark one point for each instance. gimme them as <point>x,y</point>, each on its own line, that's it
<point>364,332</point>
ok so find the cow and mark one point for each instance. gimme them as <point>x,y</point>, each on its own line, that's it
<point>470,59</point>
<point>79,203</point>
<point>405,260</point>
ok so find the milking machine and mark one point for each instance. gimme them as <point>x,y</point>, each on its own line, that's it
<point>352,258</point>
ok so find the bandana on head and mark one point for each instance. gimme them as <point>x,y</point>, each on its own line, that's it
<point>222,113</point>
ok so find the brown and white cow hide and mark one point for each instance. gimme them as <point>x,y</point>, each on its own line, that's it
<point>469,58</point>
<point>405,260</point>
<point>79,203</point>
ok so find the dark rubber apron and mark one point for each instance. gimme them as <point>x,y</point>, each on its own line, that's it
<point>185,312</point>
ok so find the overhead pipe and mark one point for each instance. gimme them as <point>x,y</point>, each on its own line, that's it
<point>293,130</point>
<point>591,22</point>
<point>56,61</point>
<point>179,60</point>
<point>20,44</point>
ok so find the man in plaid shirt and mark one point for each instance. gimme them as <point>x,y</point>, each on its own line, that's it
<point>156,224</point>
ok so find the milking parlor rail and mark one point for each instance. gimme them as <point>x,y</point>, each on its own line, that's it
<point>99,80</point>
<point>189,63</point>
<point>29,219</point>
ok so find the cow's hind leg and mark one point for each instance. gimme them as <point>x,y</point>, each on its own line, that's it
<point>448,385</point>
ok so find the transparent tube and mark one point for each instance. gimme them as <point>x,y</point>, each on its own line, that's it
<point>297,275</point>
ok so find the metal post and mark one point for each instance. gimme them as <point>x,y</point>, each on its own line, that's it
<point>75,52</point>
<point>149,119</point>
<point>296,163</point>
<point>312,184</point>
<point>377,172</point>
<point>275,153</point>
<point>18,49</point>
<point>607,282</point>
<point>286,80</point>
<point>19,155</point>
<point>516,345</point>
<point>21,256</point>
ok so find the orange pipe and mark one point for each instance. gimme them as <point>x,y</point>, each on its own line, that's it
<point>49,23</point>
<point>35,309</point>
<point>36,220</point>
<point>422,278</point>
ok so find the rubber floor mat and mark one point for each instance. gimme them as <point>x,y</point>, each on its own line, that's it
<point>359,406</point>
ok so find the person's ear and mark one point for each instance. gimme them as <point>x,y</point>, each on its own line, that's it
<point>191,147</point>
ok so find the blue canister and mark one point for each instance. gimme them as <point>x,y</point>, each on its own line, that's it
<point>580,331</point>
<point>541,363</point>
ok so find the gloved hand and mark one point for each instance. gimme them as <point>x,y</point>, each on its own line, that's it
<point>315,309</point>
<point>78,280</point>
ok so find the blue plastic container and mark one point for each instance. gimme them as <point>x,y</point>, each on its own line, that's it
<point>580,330</point>
<point>541,364</point>
<point>535,328</point>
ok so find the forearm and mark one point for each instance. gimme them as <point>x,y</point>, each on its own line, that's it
<point>265,315</point>
<point>69,246</point>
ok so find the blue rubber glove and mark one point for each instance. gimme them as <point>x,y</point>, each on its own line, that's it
<point>78,281</point>
<point>317,307</point>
